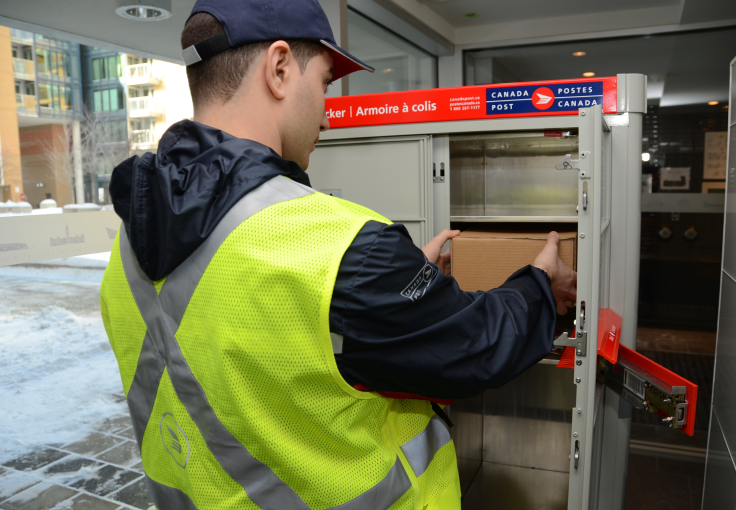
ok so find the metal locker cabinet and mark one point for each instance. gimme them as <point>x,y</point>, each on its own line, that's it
<point>552,438</point>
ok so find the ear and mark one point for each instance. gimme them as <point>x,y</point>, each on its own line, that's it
<point>279,71</point>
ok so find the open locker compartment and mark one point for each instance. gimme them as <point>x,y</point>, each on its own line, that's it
<point>553,437</point>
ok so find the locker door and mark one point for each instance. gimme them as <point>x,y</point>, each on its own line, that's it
<point>390,175</point>
<point>594,234</point>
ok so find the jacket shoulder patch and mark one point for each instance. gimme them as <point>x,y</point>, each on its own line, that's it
<point>419,285</point>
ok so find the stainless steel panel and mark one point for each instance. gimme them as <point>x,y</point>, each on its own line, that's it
<point>467,415</point>
<point>729,237</point>
<point>499,487</point>
<point>518,175</point>
<point>682,202</point>
<point>516,219</point>
<point>732,113</point>
<point>724,398</point>
<point>720,474</point>
<point>527,421</point>
<point>467,195</point>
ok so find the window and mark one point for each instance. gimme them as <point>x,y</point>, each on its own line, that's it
<point>45,95</point>
<point>133,60</point>
<point>29,88</point>
<point>399,64</point>
<point>67,98</point>
<point>16,52</point>
<point>27,53</point>
<point>17,87</point>
<point>108,99</point>
<point>141,124</point>
<point>51,62</point>
<point>41,56</point>
<point>105,68</point>
<point>140,91</point>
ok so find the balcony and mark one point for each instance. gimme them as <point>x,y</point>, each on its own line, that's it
<point>141,74</point>
<point>143,107</point>
<point>25,104</point>
<point>24,69</point>
<point>142,139</point>
<point>22,37</point>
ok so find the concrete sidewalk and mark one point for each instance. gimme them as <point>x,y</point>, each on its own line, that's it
<point>103,471</point>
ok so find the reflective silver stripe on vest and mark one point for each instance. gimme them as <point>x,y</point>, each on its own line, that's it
<point>168,497</point>
<point>420,450</point>
<point>162,314</point>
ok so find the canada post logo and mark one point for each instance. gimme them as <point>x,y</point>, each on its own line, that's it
<point>565,97</point>
<point>543,98</point>
<point>175,440</point>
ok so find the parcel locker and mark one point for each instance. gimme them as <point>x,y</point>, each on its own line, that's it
<point>545,153</point>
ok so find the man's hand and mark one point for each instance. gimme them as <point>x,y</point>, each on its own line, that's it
<point>433,248</point>
<point>564,280</point>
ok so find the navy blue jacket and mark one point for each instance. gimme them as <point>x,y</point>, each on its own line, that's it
<point>406,327</point>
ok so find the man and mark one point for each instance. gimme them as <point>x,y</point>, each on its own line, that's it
<point>267,354</point>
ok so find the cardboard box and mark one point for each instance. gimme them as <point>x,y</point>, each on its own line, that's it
<point>483,260</point>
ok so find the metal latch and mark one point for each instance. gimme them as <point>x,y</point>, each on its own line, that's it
<point>567,163</point>
<point>579,340</point>
<point>645,391</point>
<point>435,177</point>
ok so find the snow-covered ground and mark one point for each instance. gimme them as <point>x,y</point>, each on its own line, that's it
<point>58,374</point>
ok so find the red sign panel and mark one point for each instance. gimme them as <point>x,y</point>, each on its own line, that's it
<point>609,334</point>
<point>530,99</point>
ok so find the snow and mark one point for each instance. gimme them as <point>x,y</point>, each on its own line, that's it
<point>13,483</point>
<point>94,260</point>
<point>58,375</point>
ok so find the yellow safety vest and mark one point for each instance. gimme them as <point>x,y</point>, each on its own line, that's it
<point>228,367</point>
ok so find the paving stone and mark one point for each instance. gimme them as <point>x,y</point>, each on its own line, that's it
<point>115,424</point>
<point>70,469</point>
<point>105,480</point>
<point>43,496</point>
<point>135,495</point>
<point>125,454</point>
<point>93,444</point>
<point>127,433</point>
<point>35,459</point>
<point>12,483</point>
<point>87,502</point>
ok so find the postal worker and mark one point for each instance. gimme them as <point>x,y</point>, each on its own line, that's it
<point>269,351</point>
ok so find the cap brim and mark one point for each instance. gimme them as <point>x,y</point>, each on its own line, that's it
<point>343,63</point>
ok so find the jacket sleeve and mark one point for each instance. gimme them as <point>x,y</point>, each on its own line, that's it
<point>408,328</point>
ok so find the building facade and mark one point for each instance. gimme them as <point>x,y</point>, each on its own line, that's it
<point>117,104</point>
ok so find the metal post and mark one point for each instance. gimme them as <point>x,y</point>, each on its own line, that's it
<point>78,176</point>
<point>633,229</point>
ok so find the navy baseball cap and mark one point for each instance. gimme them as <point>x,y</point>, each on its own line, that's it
<point>251,21</point>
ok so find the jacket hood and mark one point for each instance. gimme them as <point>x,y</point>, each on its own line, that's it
<point>169,202</point>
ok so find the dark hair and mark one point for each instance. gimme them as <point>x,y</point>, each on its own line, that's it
<point>217,78</point>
